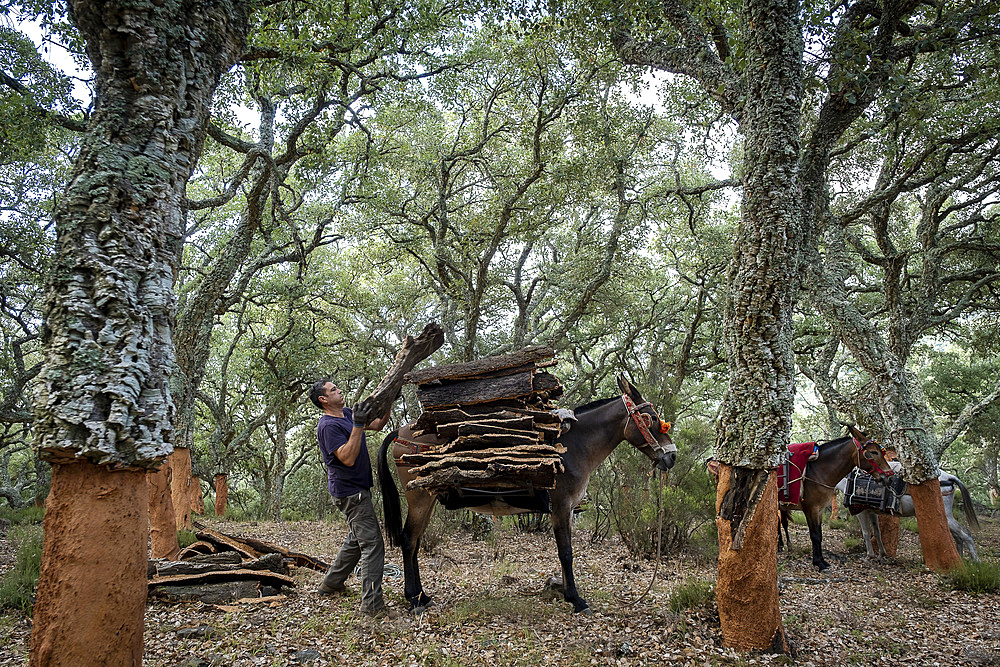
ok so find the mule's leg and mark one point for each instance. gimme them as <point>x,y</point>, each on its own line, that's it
<point>865,519</point>
<point>420,508</point>
<point>564,547</point>
<point>870,528</point>
<point>877,530</point>
<point>785,515</point>
<point>814,516</point>
<point>963,539</point>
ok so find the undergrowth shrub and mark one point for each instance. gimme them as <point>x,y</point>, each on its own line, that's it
<point>625,491</point>
<point>186,538</point>
<point>908,523</point>
<point>17,588</point>
<point>692,594</point>
<point>972,577</point>
<point>22,515</point>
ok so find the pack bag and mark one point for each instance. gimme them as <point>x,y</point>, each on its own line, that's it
<point>864,492</point>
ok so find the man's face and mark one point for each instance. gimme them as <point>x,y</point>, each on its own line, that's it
<point>332,396</point>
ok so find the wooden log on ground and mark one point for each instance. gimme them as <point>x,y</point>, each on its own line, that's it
<point>414,350</point>
<point>296,558</point>
<point>249,545</point>
<point>221,558</point>
<point>272,562</point>
<point>221,540</point>
<point>199,548</point>
<point>265,577</point>
<point>527,357</point>
<point>218,593</point>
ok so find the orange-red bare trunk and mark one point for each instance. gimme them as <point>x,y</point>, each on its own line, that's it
<point>747,587</point>
<point>92,598</point>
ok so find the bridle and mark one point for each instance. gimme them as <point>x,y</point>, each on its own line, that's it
<point>861,448</point>
<point>643,421</point>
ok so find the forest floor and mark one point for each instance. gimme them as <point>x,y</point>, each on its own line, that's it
<point>492,609</point>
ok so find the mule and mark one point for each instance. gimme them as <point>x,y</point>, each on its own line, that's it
<point>961,534</point>
<point>599,428</point>
<point>819,481</point>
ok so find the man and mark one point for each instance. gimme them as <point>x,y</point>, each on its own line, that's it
<point>341,436</point>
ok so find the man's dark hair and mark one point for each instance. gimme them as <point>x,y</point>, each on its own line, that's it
<point>317,390</point>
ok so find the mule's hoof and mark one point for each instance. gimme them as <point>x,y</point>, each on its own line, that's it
<point>586,611</point>
<point>424,605</point>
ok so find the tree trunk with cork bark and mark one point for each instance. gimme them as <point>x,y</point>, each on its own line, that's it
<point>103,409</point>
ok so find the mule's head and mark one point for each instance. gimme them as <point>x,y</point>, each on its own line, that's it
<point>644,429</point>
<point>871,455</point>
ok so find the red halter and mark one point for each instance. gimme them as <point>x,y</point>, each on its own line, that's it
<point>861,448</point>
<point>643,421</point>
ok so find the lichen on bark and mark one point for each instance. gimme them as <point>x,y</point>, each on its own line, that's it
<point>104,385</point>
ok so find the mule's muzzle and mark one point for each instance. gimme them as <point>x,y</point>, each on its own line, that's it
<point>884,477</point>
<point>666,460</point>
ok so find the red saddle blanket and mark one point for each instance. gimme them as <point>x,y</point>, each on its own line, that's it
<point>791,472</point>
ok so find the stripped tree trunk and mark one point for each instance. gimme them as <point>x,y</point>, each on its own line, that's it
<point>905,415</point>
<point>936,542</point>
<point>221,493</point>
<point>888,528</point>
<point>92,589</point>
<point>182,486</point>
<point>747,588</point>
<point>196,503</point>
<point>103,401</point>
<point>163,543</point>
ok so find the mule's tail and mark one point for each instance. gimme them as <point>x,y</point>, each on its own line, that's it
<point>390,495</point>
<point>967,507</point>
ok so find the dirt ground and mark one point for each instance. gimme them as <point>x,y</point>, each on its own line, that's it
<point>492,609</point>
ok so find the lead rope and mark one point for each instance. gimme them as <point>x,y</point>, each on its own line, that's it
<point>659,536</point>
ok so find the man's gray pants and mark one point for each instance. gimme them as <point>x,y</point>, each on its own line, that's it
<point>364,543</point>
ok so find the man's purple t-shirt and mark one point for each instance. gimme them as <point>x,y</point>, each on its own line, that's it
<point>343,480</point>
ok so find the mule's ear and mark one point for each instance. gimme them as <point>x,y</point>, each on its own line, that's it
<point>856,432</point>
<point>629,388</point>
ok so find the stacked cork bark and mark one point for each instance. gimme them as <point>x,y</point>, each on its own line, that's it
<point>221,568</point>
<point>493,415</point>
